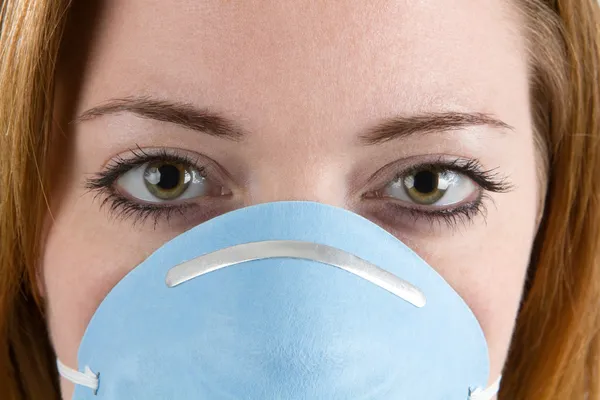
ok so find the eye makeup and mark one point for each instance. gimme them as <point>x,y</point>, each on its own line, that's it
<point>124,205</point>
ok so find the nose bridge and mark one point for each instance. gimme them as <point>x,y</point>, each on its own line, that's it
<point>297,177</point>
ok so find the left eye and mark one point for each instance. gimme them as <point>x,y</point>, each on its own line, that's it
<point>430,187</point>
<point>163,181</point>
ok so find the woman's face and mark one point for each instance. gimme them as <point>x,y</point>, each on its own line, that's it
<point>280,100</point>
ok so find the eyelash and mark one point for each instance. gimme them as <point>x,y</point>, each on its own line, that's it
<point>488,180</point>
<point>123,208</point>
<point>451,217</point>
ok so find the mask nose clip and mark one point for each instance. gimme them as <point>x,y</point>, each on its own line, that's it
<point>298,250</point>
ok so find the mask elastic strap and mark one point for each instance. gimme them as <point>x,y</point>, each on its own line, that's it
<point>487,394</point>
<point>87,378</point>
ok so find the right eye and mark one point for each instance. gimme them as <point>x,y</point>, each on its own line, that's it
<point>167,181</point>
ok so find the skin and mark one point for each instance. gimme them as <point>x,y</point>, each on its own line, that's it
<point>305,80</point>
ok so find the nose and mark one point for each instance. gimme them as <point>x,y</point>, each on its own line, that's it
<point>307,180</point>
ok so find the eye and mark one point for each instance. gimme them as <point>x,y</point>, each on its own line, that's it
<point>430,186</point>
<point>167,181</point>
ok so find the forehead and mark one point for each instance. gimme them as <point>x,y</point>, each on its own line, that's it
<point>299,57</point>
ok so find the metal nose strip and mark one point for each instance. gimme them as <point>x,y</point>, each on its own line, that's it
<point>299,250</point>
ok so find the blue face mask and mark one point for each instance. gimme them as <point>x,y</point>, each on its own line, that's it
<point>286,300</point>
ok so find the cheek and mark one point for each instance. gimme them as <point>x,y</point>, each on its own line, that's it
<point>84,257</point>
<point>486,261</point>
<point>487,269</point>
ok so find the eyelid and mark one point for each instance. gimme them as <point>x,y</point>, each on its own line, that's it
<point>391,171</point>
<point>485,179</point>
<point>134,158</point>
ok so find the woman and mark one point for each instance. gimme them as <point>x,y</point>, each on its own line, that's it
<point>468,130</point>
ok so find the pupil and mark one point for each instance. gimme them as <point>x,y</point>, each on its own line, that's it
<point>426,182</point>
<point>169,177</point>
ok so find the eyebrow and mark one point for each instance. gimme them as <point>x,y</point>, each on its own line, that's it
<point>403,126</point>
<point>182,114</point>
<point>203,120</point>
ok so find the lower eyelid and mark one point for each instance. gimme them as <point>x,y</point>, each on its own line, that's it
<point>399,219</point>
<point>414,207</point>
<point>391,205</point>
